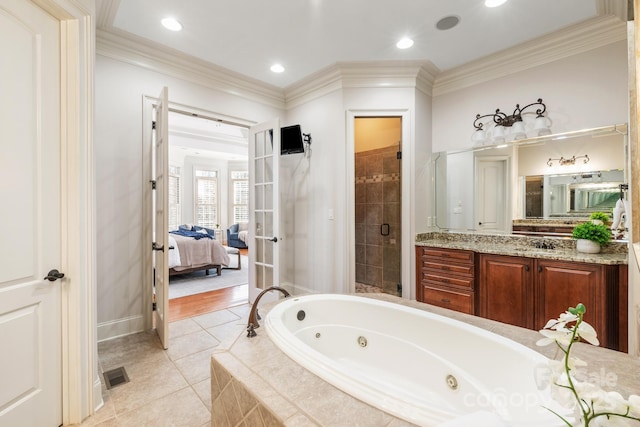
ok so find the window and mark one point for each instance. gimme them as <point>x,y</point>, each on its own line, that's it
<point>240,192</point>
<point>174,197</point>
<point>206,197</point>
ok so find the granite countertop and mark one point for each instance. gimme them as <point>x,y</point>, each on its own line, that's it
<point>298,397</point>
<point>563,249</point>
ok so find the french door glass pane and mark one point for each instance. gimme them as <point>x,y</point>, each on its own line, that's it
<point>259,251</point>
<point>259,276</point>
<point>268,196</point>
<point>268,251</point>
<point>268,224</point>
<point>259,168</point>
<point>268,169</point>
<point>268,276</point>
<point>259,144</point>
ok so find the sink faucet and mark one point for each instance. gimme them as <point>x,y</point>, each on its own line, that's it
<point>254,316</point>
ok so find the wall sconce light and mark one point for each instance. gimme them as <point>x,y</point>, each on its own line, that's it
<point>569,161</point>
<point>504,122</point>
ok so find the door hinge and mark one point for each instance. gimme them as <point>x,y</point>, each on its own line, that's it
<point>154,306</point>
<point>153,124</point>
<point>153,184</point>
<point>399,288</point>
<point>399,155</point>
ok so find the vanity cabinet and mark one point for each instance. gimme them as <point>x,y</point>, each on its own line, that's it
<point>528,292</point>
<point>446,278</point>
<point>505,289</point>
<point>525,291</point>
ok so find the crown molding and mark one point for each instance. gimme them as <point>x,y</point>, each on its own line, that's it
<point>378,74</point>
<point>618,8</point>
<point>576,39</point>
<point>106,12</point>
<point>148,55</point>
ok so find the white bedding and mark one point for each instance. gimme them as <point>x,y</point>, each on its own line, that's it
<point>174,254</point>
<point>242,235</point>
<point>192,253</point>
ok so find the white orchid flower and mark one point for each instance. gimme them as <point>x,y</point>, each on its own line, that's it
<point>561,336</point>
<point>634,405</point>
<point>588,333</point>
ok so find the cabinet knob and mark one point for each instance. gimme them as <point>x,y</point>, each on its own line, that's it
<point>526,268</point>
<point>444,300</point>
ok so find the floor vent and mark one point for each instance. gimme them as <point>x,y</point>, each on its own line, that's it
<point>115,377</point>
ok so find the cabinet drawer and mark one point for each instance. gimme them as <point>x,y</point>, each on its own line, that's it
<point>459,269</point>
<point>453,255</point>
<point>454,300</point>
<point>446,280</point>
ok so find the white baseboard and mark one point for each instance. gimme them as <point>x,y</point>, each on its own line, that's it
<point>120,327</point>
<point>98,402</point>
<point>294,289</point>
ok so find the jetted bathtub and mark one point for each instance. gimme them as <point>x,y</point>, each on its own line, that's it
<point>425,368</point>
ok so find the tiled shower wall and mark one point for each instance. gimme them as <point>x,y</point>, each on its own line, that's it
<point>377,174</point>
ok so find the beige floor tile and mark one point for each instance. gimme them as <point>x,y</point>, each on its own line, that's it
<point>180,409</point>
<point>183,327</point>
<point>195,367</point>
<point>215,318</point>
<point>221,332</point>
<point>147,386</point>
<point>190,344</point>
<point>241,310</point>
<point>203,389</point>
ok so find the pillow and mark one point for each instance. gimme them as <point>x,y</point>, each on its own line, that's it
<point>202,231</point>
<point>187,227</point>
<point>243,226</point>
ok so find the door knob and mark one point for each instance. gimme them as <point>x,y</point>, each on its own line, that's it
<point>273,239</point>
<point>54,275</point>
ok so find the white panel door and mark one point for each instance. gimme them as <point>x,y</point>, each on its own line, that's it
<point>30,306</point>
<point>159,170</point>
<point>264,158</point>
<point>491,206</point>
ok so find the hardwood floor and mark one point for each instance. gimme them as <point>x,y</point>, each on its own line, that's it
<point>194,305</point>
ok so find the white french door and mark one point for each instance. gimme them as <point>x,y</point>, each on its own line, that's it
<point>30,190</point>
<point>264,203</point>
<point>160,196</point>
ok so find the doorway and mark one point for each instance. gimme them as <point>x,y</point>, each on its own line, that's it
<point>492,194</point>
<point>378,189</point>
<point>208,187</point>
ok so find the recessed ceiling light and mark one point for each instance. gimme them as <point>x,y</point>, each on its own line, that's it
<point>277,68</point>
<point>404,43</point>
<point>447,22</point>
<point>494,3</point>
<point>171,24</point>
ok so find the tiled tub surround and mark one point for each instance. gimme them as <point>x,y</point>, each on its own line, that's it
<point>296,397</point>
<point>564,249</point>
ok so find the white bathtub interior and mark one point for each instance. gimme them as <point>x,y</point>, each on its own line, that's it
<point>419,366</point>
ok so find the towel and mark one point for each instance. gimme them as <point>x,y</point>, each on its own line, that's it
<point>618,211</point>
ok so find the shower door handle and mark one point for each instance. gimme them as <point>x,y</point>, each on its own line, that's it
<point>384,229</point>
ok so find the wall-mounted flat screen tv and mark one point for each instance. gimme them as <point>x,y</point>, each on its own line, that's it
<point>291,140</point>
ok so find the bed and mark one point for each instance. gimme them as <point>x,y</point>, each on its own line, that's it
<point>192,250</point>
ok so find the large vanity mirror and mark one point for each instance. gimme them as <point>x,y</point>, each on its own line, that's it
<point>557,176</point>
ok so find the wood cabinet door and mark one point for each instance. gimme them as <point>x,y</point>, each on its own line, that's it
<point>506,289</point>
<point>561,285</point>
